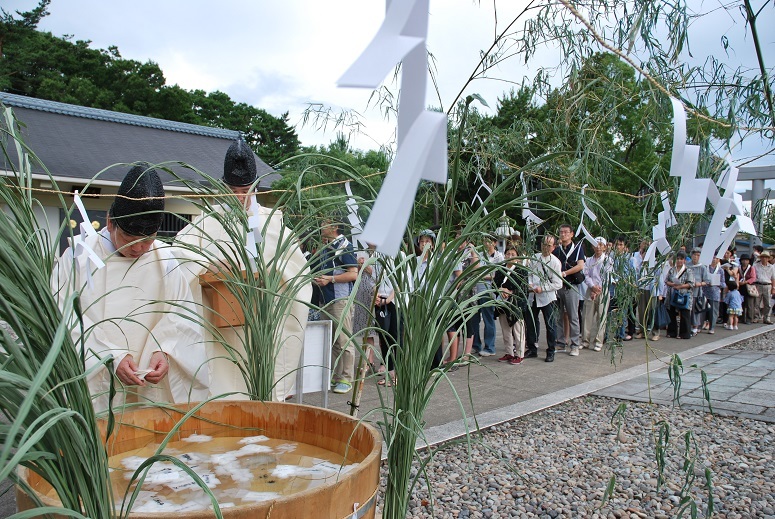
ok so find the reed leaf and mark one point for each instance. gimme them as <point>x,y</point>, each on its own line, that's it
<point>52,428</point>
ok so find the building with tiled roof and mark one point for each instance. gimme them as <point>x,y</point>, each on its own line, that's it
<point>79,147</point>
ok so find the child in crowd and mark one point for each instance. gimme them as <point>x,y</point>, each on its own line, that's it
<point>734,303</point>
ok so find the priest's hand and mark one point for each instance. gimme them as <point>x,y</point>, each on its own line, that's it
<point>160,367</point>
<point>126,372</point>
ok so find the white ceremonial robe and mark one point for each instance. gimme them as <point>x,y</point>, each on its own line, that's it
<point>137,307</point>
<point>206,233</point>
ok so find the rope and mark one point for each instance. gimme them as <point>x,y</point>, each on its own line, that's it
<point>196,196</point>
<point>360,512</point>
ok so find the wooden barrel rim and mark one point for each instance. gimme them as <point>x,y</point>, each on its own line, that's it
<point>372,457</point>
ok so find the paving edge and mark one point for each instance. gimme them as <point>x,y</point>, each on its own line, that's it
<point>692,407</point>
<point>459,428</point>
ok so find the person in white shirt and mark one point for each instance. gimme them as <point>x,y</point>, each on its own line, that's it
<point>765,281</point>
<point>713,292</point>
<point>204,245</point>
<point>138,308</point>
<point>543,283</point>
<point>597,271</point>
<point>701,280</point>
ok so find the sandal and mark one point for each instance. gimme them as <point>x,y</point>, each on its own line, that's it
<point>390,382</point>
<point>627,338</point>
<point>381,382</point>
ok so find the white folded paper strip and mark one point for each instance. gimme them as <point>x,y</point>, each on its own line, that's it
<point>422,135</point>
<point>482,187</point>
<point>589,214</point>
<point>356,225</point>
<point>80,246</point>
<point>718,238</point>
<point>141,373</point>
<point>254,236</point>
<point>393,41</point>
<point>694,194</point>
<point>422,156</point>
<point>529,216</point>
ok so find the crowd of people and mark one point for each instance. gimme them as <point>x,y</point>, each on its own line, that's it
<point>139,308</point>
<point>575,295</point>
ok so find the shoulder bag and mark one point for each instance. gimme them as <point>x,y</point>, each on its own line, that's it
<point>678,299</point>
<point>662,317</point>
<point>576,278</point>
<point>751,290</point>
<point>701,304</point>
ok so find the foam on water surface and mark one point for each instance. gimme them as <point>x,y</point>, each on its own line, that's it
<point>239,471</point>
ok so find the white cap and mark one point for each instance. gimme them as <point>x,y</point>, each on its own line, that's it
<point>600,240</point>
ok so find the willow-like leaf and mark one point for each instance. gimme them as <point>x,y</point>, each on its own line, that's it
<point>609,491</point>
<point>662,445</point>
<point>674,371</point>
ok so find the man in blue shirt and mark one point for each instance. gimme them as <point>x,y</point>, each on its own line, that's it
<point>339,269</point>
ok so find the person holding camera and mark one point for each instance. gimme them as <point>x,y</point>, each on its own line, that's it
<point>484,290</point>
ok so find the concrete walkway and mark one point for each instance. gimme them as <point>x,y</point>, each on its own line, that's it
<point>740,383</point>
<point>499,392</point>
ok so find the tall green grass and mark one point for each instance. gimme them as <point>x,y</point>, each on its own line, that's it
<point>51,426</point>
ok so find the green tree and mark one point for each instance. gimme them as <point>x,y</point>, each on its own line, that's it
<point>273,139</point>
<point>38,64</point>
<point>318,175</point>
<point>11,27</point>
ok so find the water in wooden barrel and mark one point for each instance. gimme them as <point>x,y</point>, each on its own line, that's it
<point>238,470</point>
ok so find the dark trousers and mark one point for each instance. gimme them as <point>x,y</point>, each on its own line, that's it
<point>533,327</point>
<point>749,307</point>
<point>685,331</point>
<point>722,309</point>
<point>386,318</point>
<point>631,320</point>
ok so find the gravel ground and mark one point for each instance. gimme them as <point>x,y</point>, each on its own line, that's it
<point>764,343</point>
<point>558,463</point>
<point>564,457</point>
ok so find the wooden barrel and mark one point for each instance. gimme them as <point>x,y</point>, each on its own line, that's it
<point>331,430</point>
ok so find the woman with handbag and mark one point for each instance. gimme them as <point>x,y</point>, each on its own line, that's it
<point>748,288</point>
<point>511,283</point>
<point>680,281</point>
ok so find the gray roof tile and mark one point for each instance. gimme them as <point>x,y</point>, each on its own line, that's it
<point>79,142</point>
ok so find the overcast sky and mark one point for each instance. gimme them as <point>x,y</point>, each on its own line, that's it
<point>277,55</point>
<point>282,55</point>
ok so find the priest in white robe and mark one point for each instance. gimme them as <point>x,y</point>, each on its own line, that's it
<point>207,234</point>
<point>138,307</point>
